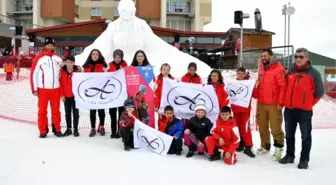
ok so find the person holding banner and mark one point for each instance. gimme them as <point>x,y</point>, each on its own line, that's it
<point>67,95</point>
<point>140,59</point>
<point>96,63</point>
<point>126,123</point>
<point>271,96</point>
<point>165,73</point>
<point>216,80</point>
<point>242,116</point>
<point>225,135</point>
<point>172,126</point>
<point>115,65</point>
<point>44,81</point>
<point>197,129</point>
<point>192,76</point>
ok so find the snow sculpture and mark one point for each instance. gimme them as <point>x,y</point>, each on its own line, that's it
<point>129,33</point>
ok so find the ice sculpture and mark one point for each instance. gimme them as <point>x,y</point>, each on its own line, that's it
<point>130,34</point>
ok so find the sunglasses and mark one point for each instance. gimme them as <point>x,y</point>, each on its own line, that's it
<point>300,57</point>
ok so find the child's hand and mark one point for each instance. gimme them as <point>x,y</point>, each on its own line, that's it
<point>156,110</point>
<point>129,114</point>
<point>227,155</point>
<point>200,144</point>
<point>221,141</point>
<point>187,132</point>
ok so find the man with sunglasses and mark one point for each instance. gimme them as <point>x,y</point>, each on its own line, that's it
<point>304,90</point>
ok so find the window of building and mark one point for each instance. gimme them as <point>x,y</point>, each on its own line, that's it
<point>115,11</point>
<point>76,9</point>
<point>184,25</point>
<point>217,41</point>
<point>96,12</point>
<point>174,6</point>
<point>203,40</point>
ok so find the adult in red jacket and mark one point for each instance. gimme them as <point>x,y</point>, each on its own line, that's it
<point>96,63</point>
<point>68,97</point>
<point>165,70</point>
<point>304,90</point>
<point>225,135</point>
<point>192,76</point>
<point>216,80</point>
<point>242,116</point>
<point>271,91</point>
<point>44,81</point>
<point>115,65</point>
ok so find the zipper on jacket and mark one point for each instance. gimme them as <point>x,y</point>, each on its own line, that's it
<point>291,96</point>
<point>53,71</point>
<point>304,97</point>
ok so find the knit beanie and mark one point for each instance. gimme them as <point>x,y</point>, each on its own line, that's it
<point>118,52</point>
<point>129,102</point>
<point>200,106</point>
<point>49,40</point>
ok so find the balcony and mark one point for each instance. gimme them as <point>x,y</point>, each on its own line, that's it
<point>21,8</point>
<point>179,8</point>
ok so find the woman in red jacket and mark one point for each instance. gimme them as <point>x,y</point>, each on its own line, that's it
<point>96,63</point>
<point>117,63</point>
<point>216,80</point>
<point>165,70</point>
<point>67,96</point>
<point>192,76</point>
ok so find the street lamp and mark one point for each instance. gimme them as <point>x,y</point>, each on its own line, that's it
<point>13,29</point>
<point>191,41</point>
<point>239,16</point>
<point>287,10</point>
<point>257,20</point>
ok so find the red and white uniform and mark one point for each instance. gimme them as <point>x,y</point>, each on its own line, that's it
<point>228,131</point>
<point>242,117</point>
<point>45,81</point>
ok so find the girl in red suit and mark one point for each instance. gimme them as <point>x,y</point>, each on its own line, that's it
<point>165,70</point>
<point>242,116</point>
<point>96,63</point>
<point>216,80</point>
<point>115,65</point>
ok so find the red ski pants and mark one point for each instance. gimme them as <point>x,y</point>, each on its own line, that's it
<point>243,124</point>
<point>44,97</point>
<point>211,143</point>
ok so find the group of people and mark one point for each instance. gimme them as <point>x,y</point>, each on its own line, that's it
<point>298,91</point>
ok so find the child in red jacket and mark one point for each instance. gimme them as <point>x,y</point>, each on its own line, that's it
<point>67,96</point>
<point>242,116</point>
<point>126,123</point>
<point>216,80</point>
<point>192,76</point>
<point>117,64</point>
<point>165,70</point>
<point>225,136</point>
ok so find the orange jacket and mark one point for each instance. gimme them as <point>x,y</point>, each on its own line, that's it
<point>272,84</point>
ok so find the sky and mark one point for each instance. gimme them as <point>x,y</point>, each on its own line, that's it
<point>313,25</point>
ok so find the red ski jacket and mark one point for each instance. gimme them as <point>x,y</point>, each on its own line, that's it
<point>228,131</point>
<point>112,66</point>
<point>305,87</point>
<point>94,68</point>
<point>222,95</point>
<point>192,79</point>
<point>66,81</point>
<point>158,90</point>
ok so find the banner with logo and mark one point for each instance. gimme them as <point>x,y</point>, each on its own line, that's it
<point>240,91</point>
<point>151,139</point>
<point>184,97</point>
<point>138,86</point>
<point>99,90</point>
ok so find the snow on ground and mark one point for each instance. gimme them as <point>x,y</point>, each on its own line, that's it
<point>26,159</point>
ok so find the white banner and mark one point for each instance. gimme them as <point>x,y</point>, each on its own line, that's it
<point>99,90</point>
<point>240,91</point>
<point>184,96</point>
<point>150,138</point>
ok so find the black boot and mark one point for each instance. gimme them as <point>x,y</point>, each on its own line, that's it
<point>68,132</point>
<point>76,133</point>
<point>190,154</point>
<point>53,128</point>
<point>241,146</point>
<point>58,134</point>
<point>303,165</point>
<point>43,135</point>
<point>287,159</point>
<point>127,147</point>
<point>249,152</point>
<point>216,156</point>
<point>117,136</point>
<point>178,153</point>
<point>113,135</point>
<point>92,133</point>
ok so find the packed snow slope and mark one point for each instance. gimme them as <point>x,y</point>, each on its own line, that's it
<point>26,159</point>
<point>129,33</point>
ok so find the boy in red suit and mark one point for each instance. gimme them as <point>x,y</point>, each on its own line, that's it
<point>126,123</point>
<point>68,97</point>
<point>242,116</point>
<point>45,84</point>
<point>225,135</point>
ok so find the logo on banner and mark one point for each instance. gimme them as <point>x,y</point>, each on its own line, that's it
<point>237,91</point>
<point>152,140</point>
<point>175,99</point>
<point>106,92</point>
